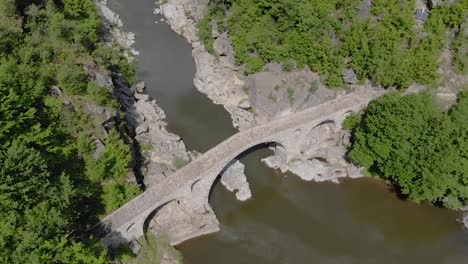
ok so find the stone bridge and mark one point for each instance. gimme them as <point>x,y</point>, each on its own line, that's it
<point>190,186</point>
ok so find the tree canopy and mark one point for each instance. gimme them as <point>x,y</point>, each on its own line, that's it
<point>52,190</point>
<point>379,41</point>
<point>410,142</point>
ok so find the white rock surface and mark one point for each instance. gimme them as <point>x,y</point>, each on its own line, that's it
<point>465,220</point>
<point>234,179</point>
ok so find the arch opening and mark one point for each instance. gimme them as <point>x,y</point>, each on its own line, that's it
<point>149,217</point>
<point>268,145</point>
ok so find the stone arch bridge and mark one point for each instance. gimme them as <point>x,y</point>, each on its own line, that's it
<point>191,184</point>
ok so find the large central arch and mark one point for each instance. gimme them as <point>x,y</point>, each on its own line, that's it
<point>191,215</point>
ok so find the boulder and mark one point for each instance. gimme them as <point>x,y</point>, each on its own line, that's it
<point>55,91</point>
<point>221,45</point>
<point>349,76</point>
<point>134,247</point>
<point>99,148</point>
<point>126,91</point>
<point>143,97</point>
<point>141,129</point>
<point>140,87</point>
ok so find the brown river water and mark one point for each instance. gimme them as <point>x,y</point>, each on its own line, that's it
<point>287,220</point>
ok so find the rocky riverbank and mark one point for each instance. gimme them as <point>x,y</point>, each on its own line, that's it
<point>161,152</point>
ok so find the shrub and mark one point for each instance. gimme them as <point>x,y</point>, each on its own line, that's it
<point>113,162</point>
<point>72,78</point>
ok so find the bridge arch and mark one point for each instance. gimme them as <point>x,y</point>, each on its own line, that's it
<point>254,147</point>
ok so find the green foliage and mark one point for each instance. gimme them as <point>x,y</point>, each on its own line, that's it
<point>352,121</point>
<point>100,95</point>
<point>253,64</point>
<point>113,162</point>
<point>290,95</point>
<point>384,46</point>
<point>72,78</point>
<point>460,49</point>
<point>47,199</point>
<point>112,58</point>
<point>204,31</point>
<point>288,65</point>
<point>10,29</point>
<point>116,194</point>
<point>314,86</point>
<point>412,144</point>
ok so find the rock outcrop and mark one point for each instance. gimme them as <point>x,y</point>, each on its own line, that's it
<point>234,179</point>
<point>464,218</point>
<point>321,158</point>
<point>162,152</point>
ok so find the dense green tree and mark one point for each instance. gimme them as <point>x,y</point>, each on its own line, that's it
<point>410,142</point>
<point>51,188</point>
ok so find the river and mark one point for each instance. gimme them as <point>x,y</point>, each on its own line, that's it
<point>288,220</point>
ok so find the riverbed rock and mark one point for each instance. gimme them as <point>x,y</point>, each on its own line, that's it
<point>134,246</point>
<point>181,220</point>
<point>222,45</point>
<point>234,179</point>
<point>140,87</point>
<point>349,76</point>
<point>141,129</point>
<point>143,97</point>
<point>99,147</point>
<point>241,119</point>
<point>465,220</point>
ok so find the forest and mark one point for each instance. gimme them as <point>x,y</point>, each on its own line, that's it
<point>411,143</point>
<point>380,40</point>
<point>54,186</point>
